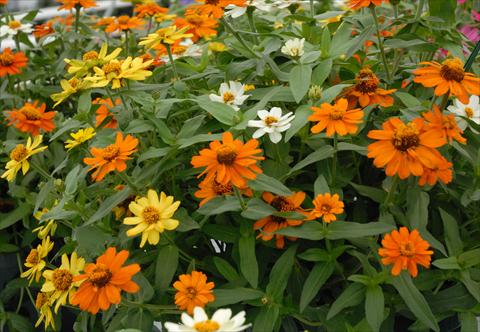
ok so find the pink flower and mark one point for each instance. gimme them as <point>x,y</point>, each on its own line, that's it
<point>475,15</point>
<point>461,2</point>
<point>472,33</point>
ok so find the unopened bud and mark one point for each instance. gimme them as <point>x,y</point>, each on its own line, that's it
<point>315,92</point>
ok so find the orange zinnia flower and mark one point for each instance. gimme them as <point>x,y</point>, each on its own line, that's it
<point>215,8</point>
<point>405,148</point>
<point>230,161</point>
<point>103,112</point>
<point>105,21</point>
<point>270,224</point>
<point>336,118</point>
<point>3,2</point>
<point>405,250</point>
<point>210,188</point>
<point>149,9</point>
<point>123,23</point>
<point>70,4</point>
<point>42,30</point>
<point>357,4</point>
<point>366,91</point>
<point>444,125</point>
<point>112,157</point>
<point>327,206</point>
<point>10,63</point>
<point>442,172</point>
<point>193,290</point>
<point>448,77</point>
<point>104,281</point>
<point>30,118</point>
<point>199,25</point>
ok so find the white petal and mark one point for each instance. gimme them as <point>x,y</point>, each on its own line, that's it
<point>275,137</point>
<point>259,133</point>
<point>276,112</point>
<point>199,315</point>
<point>187,320</point>
<point>262,114</point>
<point>256,123</point>
<point>222,316</point>
<point>214,97</point>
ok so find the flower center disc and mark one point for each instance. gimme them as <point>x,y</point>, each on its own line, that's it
<point>150,215</point>
<point>19,153</point>
<point>41,299</point>
<point>281,204</point>
<point>15,24</point>
<point>469,112</point>
<point>6,59</point>
<point>32,257</point>
<point>31,113</point>
<point>100,276</point>
<point>226,155</point>
<point>228,97</point>
<point>212,2</point>
<point>62,279</point>
<point>269,120</point>
<point>112,67</point>
<point>367,81</point>
<point>336,114</point>
<point>191,292</point>
<point>407,249</point>
<point>452,70</point>
<point>206,326</point>
<point>110,152</point>
<point>325,208</point>
<point>221,189</point>
<point>91,55</point>
<point>406,137</point>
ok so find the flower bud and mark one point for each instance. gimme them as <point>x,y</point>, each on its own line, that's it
<point>315,92</point>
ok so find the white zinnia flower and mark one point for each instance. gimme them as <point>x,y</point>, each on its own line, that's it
<point>271,123</point>
<point>231,93</point>
<point>287,3</point>
<point>221,321</point>
<point>236,11</point>
<point>470,110</point>
<point>13,27</point>
<point>191,50</point>
<point>294,47</point>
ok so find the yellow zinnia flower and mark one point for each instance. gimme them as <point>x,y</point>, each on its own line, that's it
<point>19,157</point>
<point>168,35</point>
<point>217,47</point>
<point>35,261</point>
<point>117,71</point>
<point>91,59</point>
<point>152,216</point>
<point>160,17</point>
<point>79,137</point>
<point>69,87</point>
<point>60,283</point>
<point>43,304</point>
<point>47,227</point>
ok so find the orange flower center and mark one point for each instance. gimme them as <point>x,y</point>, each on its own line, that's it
<point>407,249</point>
<point>449,122</point>
<point>281,204</point>
<point>19,153</point>
<point>212,2</point>
<point>74,82</point>
<point>221,189</point>
<point>337,114</point>
<point>195,19</point>
<point>6,59</point>
<point>31,113</point>
<point>207,326</point>
<point>62,279</point>
<point>469,112</point>
<point>41,299</point>
<point>452,70</point>
<point>123,19</point>
<point>367,81</point>
<point>228,97</point>
<point>151,215</point>
<point>111,152</point>
<point>91,55</point>
<point>112,67</point>
<point>191,293</point>
<point>325,208</point>
<point>15,24</point>
<point>226,155</point>
<point>406,137</point>
<point>269,120</point>
<point>100,276</point>
<point>32,257</point>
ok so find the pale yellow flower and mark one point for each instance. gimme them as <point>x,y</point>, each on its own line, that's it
<point>35,262</point>
<point>217,47</point>
<point>91,59</point>
<point>43,304</point>
<point>69,87</point>
<point>168,35</point>
<point>47,227</point>
<point>79,137</point>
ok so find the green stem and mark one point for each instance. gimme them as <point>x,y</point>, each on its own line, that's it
<point>306,321</point>
<point>418,14</point>
<point>391,193</point>
<point>312,9</point>
<point>380,43</point>
<point>77,18</point>
<point>149,25</point>
<point>395,11</point>
<point>20,269</point>
<point>40,170</point>
<point>251,22</point>
<point>127,46</point>
<point>238,194</point>
<point>237,36</point>
<point>170,57</point>
<point>334,161</point>
<point>129,182</point>
<point>444,102</point>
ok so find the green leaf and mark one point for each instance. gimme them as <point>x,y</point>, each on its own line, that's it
<point>329,94</point>
<point>344,146</point>
<point>315,255</point>
<point>299,81</point>
<point>468,322</point>
<point>357,43</point>
<point>257,209</point>
<point>91,240</point>
<point>219,205</point>
<point>377,195</point>
<point>248,260</point>
<point>310,230</point>
<point>472,286</point>
<point>186,222</point>
<point>71,181</point>
<point>226,297</point>
<point>469,258</point>
<point>166,266</point>
<point>324,152</point>
<point>146,291</point>
<point>417,208</point>
<point>266,183</point>
<point>374,306</point>
<point>223,113</point>
<point>152,153</point>
<point>326,41</point>
<point>414,300</point>
<point>351,296</point>
<point>190,127</point>
<point>315,280</point>
<point>8,219</point>
<point>107,206</point>
<point>322,71</point>
<point>281,273</point>
<point>444,9</point>
<point>407,99</point>
<point>84,102</point>
<point>450,263</point>
<point>266,319</point>
<point>452,235</point>
<point>138,318</point>
<point>225,269</point>
<point>351,230</point>
<point>301,119</point>
<point>223,233</point>
<point>320,185</point>
<point>186,142</point>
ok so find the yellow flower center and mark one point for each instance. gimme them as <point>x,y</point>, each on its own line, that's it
<point>62,279</point>
<point>221,189</point>
<point>91,55</point>
<point>407,249</point>
<point>406,137</point>
<point>31,113</point>
<point>111,152</point>
<point>269,120</point>
<point>367,81</point>
<point>449,122</point>
<point>19,153</point>
<point>151,215</point>
<point>191,293</point>
<point>226,155</point>
<point>337,114</point>
<point>452,70</point>
<point>33,257</point>
<point>228,97</point>
<point>6,59</point>
<point>207,326</point>
<point>41,299</point>
<point>469,112</point>
<point>74,82</point>
<point>112,67</point>
<point>100,276</point>
<point>15,24</point>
